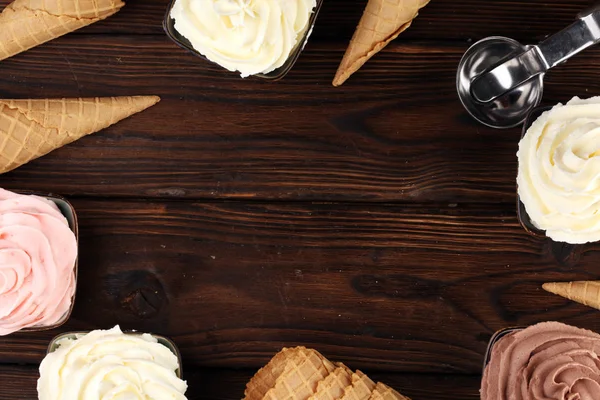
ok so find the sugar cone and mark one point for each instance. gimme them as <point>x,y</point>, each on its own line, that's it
<point>382,22</point>
<point>361,387</point>
<point>27,23</point>
<point>293,374</point>
<point>384,392</point>
<point>32,128</point>
<point>333,386</point>
<point>584,292</point>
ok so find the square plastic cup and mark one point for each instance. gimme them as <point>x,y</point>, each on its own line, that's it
<point>524,218</point>
<point>69,213</point>
<point>168,343</point>
<point>494,340</point>
<point>279,73</point>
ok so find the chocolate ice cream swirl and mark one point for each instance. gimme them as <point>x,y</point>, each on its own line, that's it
<point>548,361</point>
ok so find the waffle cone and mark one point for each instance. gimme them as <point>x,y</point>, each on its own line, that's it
<point>293,374</point>
<point>333,386</point>
<point>303,374</point>
<point>584,292</point>
<point>384,392</point>
<point>27,23</point>
<point>266,377</point>
<point>361,387</point>
<point>32,128</point>
<point>382,22</point>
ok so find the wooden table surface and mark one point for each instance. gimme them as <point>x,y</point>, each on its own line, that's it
<point>375,222</point>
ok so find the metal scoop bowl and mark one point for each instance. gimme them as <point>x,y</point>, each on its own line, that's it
<point>499,80</point>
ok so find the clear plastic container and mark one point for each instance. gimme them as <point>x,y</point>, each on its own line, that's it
<point>168,343</point>
<point>279,73</point>
<point>495,338</point>
<point>68,211</point>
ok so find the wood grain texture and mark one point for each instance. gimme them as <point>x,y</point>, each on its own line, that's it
<point>392,134</point>
<point>232,283</point>
<point>227,384</point>
<point>375,222</point>
<point>441,19</point>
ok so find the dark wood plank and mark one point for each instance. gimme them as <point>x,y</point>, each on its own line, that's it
<point>225,384</point>
<point>442,19</point>
<point>390,288</point>
<point>392,134</point>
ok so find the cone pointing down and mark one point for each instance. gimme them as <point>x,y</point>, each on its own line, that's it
<point>382,22</point>
<point>27,23</point>
<point>32,128</point>
<point>584,292</point>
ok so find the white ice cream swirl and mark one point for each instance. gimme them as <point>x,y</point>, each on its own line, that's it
<point>110,365</point>
<point>249,36</point>
<point>559,171</point>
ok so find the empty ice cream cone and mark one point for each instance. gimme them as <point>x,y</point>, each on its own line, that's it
<point>304,374</point>
<point>333,386</point>
<point>304,369</point>
<point>584,292</point>
<point>27,23</point>
<point>382,22</point>
<point>361,387</point>
<point>384,392</point>
<point>32,128</point>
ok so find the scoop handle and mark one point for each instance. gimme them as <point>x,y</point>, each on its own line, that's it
<point>536,60</point>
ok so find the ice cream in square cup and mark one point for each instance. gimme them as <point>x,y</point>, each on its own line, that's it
<point>559,172</point>
<point>38,261</point>
<point>546,361</point>
<point>260,38</point>
<point>111,364</point>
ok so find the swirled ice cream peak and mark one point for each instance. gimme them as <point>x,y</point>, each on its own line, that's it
<point>249,36</point>
<point>548,361</point>
<point>559,171</point>
<point>110,364</point>
<point>38,252</point>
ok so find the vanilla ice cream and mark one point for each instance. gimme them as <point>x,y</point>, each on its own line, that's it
<point>110,364</point>
<point>559,171</point>
<point>248,36</point>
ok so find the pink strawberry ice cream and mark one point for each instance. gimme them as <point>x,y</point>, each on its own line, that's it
<point>38,251</point>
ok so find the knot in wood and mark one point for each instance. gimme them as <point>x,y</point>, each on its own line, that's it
<point>142,295</point>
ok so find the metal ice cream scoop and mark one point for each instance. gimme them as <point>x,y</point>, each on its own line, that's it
<point>499,81</point>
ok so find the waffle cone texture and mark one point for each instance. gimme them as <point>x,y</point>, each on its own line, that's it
<point>382,22</point>
<point>25,24</point>
<point>304,374</point>
<point>32,128</point>
<point>583,292</point>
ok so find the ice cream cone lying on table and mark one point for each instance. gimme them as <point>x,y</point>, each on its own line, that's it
<point>32,128</point>
<point>27,23</point>
<point>304,374</point>
<point>583,292</point>
<point>382,22</point>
